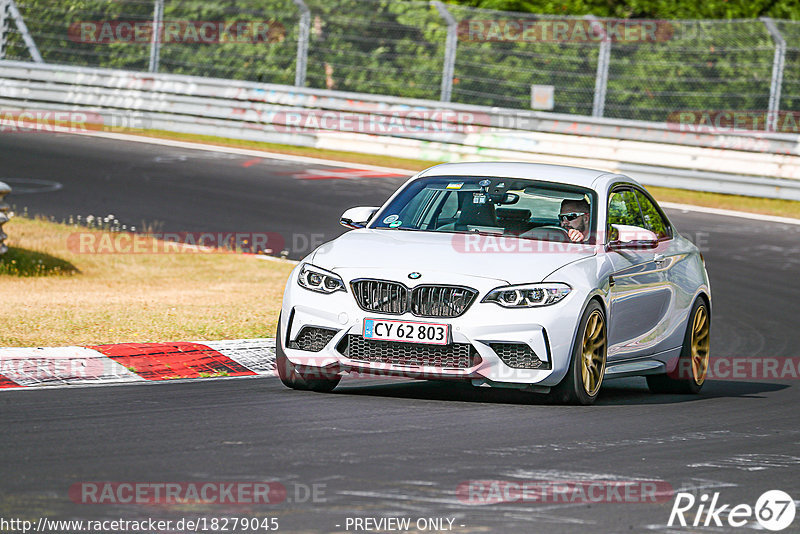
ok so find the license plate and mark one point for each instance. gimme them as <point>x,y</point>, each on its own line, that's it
<point>407,331</point>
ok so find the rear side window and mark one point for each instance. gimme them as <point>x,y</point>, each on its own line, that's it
<point>652,218</point>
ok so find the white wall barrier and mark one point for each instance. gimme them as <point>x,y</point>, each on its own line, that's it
<point>755,164</point>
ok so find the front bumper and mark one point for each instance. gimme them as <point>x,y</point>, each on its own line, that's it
<point>548,332</point>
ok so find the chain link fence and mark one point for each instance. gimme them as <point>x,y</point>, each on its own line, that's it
<point>4,217</point>
<point>790,94</point>
<point>623,69</point>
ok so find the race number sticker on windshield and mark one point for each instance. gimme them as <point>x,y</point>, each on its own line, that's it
<point>407,331</point>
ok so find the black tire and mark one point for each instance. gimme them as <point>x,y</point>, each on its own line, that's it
<point>689,375</point>
<point>292,378</point>
<point>573,389</point>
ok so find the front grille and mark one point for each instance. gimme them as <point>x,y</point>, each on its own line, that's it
<point>394,298</point>
<point>381,296</point>
<point>312,338</point>
<point>452,356</point>
<point>441,301</point>
<point>518,356</point>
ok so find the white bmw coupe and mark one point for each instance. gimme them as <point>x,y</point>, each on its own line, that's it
<point>538,277</point>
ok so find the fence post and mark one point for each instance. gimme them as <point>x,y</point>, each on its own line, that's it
<point>603,60</point>
<point>4,190</point>
<point>777,74</point>
<point>303,31</point>
<point>451,42</point>
<point>155,42</point>
<point>23,30</point>
<point>4,5</point>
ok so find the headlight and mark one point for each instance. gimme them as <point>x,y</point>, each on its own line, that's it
<point>528,295</point>
<point>319,280</point>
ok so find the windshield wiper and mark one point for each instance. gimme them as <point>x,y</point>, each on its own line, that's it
<point>400,228</point>
<point>478,232</point>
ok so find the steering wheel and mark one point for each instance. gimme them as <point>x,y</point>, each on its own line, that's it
<point>548,233</point>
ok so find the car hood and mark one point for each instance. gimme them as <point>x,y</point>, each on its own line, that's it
<point>437,255</point>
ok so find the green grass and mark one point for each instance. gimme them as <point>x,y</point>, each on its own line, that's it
<point>97,299</point>
<point>23,262</point>
<point>216,374</point>
<point>768,206</point>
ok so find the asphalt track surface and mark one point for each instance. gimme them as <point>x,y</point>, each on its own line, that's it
<point>390,448</point>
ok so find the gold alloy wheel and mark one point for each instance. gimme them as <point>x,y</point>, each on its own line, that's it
<point>700,329</point>
<point>593,361</point>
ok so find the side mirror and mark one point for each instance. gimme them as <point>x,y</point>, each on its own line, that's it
<point>624,236</point>
<point>357,217</point>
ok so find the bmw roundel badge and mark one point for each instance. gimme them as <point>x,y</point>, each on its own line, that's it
<point>414,275</point>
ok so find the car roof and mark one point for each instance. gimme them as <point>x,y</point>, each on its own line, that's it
<point>533,171</point>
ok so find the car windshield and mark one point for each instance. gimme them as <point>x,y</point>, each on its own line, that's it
<point>491,205</point>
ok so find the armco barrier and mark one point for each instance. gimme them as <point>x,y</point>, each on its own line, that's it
<point>4,190</point>
<point>758,164</point>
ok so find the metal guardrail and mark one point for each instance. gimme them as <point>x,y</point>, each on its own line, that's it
<point>757,165</point>
<point>241,93</point>
<point>4,190</point>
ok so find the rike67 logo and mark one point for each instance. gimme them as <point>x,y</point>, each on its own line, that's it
<point>774,510</point>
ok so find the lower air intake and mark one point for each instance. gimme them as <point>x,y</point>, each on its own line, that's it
<point>452,356</point>
<point>312,338</point>
<point>518,356</point>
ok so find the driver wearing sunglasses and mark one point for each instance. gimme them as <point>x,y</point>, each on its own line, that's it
<point>574,218</point>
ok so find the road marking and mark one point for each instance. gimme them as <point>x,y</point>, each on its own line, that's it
<point>241,151</point>
<point>729,213</point>
<point>251,162</point>
<point>346,174</point>
<point>22,186</point>
<point>751,462</point>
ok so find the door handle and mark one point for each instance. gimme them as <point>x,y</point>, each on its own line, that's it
<point>611,281</point>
